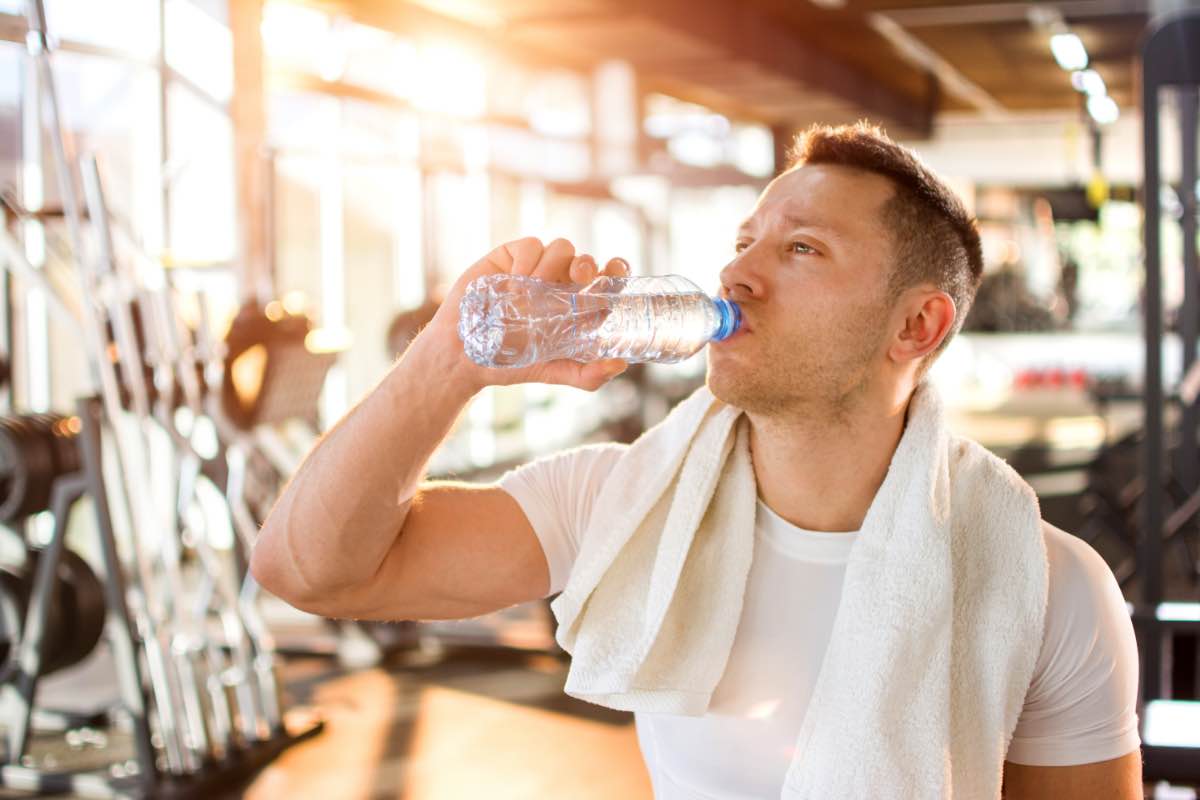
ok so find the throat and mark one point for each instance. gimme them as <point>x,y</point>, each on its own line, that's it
<point>822,482</point>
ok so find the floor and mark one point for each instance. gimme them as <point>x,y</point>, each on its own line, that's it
<point>481,723</point>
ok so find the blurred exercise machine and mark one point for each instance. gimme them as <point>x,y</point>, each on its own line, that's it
<point>1112,497</point>
<point>1170,61</point>
<point>194,662</point>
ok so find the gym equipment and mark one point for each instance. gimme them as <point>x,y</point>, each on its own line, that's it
<point>271,373</point>
<point>196,667</point>
<point>1111,500</point>
<point>74,615</point>
<point>1168,61</point>
<point>34,449</point>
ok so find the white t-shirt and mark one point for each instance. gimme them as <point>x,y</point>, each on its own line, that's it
<point>1080,706</point>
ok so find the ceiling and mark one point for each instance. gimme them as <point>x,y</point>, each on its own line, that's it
<point>791,62</point>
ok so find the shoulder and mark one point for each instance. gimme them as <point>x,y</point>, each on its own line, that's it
<point>1081,582</point>
<point>1081,703</point>
<point>1087,621</point>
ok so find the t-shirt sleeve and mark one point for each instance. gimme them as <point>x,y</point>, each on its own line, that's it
<point>557,492</point>
<point>1081,706</point>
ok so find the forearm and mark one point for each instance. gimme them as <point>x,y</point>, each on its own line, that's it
<point>335,521</point>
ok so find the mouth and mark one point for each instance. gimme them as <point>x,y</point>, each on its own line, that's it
<point>738,334</point>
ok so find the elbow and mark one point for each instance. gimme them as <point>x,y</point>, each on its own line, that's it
<point>274,569</point>
<point>266,566</point>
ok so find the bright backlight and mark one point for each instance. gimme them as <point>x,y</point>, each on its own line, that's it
<point>452,81</point>
<point>1172,723</point>
<point>1068,51</point>
<point>1089,82</point>
<point>1103,109</point>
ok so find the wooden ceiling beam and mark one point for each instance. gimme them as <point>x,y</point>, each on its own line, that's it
<point>745,33</point>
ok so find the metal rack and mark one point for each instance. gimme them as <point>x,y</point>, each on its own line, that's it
<point>196,665</point>
<point>1170,59</point>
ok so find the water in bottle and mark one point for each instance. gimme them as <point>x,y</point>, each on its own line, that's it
<point>517,320</point>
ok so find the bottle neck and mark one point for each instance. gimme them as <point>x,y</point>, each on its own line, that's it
<point>731,318</point>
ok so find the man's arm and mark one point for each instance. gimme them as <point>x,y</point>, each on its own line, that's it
<point>347,538</point>
<point>1118,779</point>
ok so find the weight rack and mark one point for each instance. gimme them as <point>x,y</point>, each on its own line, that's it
<point>1170,59</point>
<point>205,707</point>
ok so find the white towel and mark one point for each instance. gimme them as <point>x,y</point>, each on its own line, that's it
<point>936,635</point>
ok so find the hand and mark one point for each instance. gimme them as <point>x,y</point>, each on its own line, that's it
<point>556,262</point>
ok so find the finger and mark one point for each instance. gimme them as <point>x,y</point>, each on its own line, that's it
<point>589,376</point>
<point>518,258</point>
<point>618,267</point>
<point>583,268</point>
<point>598,373</point>
<point>555,262</point>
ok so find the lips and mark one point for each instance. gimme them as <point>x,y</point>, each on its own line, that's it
<point>738,334</point>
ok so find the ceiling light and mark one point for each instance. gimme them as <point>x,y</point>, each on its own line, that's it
<point>1068,51</point>
<point>1103,109</point>
<point>1089,82</point>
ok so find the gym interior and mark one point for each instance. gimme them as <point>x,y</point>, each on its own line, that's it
<point>224,223</point>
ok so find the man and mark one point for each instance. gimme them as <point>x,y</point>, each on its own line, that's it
<point>855,268</point>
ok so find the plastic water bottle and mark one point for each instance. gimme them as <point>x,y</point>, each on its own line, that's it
<point>517,320</point>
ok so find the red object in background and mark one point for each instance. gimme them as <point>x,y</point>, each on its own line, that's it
<point>1033,378</point>
<point>1051,378</point>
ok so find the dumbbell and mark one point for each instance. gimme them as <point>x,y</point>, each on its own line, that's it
<point>74,618</point>
<point>34,450</point>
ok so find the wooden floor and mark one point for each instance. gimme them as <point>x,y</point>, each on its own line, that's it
<point>478,724</point>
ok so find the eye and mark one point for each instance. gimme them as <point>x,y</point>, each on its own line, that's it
<point>800,248</point>
<point>740,246</point>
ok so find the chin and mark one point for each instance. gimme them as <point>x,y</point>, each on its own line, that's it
<point>730,388</point>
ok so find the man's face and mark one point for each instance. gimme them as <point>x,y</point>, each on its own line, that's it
<point>810,274</point>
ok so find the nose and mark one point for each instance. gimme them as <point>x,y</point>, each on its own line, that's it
<point>740,280</point>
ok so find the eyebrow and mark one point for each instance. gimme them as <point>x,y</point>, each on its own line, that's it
<point>794,222</point>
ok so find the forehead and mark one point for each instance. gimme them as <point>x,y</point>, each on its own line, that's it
<point>841,199</point>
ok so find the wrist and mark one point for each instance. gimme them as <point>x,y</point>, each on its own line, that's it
<point>444,362</point>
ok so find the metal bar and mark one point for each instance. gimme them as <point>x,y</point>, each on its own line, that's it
<point>14,28</point>
<point>164,144</point>
<point>119,625</point>
<point>18,694</point>
<point>141,594</point>
<point>1187,464</point>
<point>61,303</point>
<point>1149,555</point>
<point>178,634</point>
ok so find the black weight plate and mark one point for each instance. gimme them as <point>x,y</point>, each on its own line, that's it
<point>83,611</point>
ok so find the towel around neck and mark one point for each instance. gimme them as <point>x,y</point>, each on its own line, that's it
<point>934,641</point>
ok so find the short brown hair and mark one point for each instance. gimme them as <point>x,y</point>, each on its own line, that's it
<point>935,239</point>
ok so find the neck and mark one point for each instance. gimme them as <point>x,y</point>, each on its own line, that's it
<point>821,471</point>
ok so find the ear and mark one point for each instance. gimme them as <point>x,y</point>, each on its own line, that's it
<point>926,317</point>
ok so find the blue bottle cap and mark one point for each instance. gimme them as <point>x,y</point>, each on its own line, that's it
<point>731,318</point>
